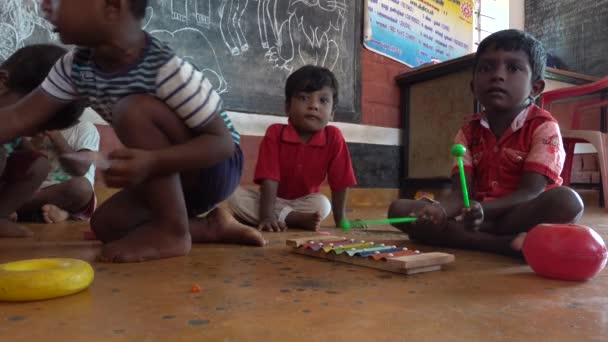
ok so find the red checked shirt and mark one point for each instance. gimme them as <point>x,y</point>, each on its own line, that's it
<point>301,168</point>
<point>532,143</point>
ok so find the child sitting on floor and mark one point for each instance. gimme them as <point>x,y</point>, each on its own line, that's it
<point>513,160</point>
<point>68,191</point>
<point>295,159</point>
<point>23,171</point>
<point>182,155</point>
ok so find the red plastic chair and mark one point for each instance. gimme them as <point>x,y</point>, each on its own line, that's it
<point>582,113</point>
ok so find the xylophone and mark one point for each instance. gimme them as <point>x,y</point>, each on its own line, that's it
<point>385,256</point>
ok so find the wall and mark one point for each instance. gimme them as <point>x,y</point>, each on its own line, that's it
<point>517,14</point>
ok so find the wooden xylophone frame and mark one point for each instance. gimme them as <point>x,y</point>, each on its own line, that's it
<point>415,262</point>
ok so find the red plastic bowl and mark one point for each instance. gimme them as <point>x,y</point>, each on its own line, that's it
<point>565,251</point>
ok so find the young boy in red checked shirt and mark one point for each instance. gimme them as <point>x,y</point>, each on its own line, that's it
<point>513,161</point>
<point>296,158</point>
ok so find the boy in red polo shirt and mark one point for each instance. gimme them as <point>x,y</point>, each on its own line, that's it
<point>295,159</point>
<point>513,161</point>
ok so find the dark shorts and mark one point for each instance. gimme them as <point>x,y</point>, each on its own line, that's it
<point>18,164</point>
<point>217,183</point>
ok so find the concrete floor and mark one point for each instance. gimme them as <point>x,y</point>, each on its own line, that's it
<point>255,294</point>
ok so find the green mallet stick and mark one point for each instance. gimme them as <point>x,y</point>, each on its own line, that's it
<point>346,225</point>
<point>458,151</point>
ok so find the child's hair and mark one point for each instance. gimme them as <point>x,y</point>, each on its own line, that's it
<point>138,8</point>
<point>516,40</point>
<point>311,78</point>
<point>28,67</point>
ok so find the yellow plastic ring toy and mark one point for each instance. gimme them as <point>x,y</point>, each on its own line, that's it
<point>43,279</point>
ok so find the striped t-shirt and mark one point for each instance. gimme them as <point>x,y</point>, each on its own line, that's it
<point>159,73</point>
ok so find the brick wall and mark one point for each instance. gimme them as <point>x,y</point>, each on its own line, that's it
<point>380,93</point>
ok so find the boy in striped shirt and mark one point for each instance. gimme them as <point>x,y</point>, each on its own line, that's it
<point>181,155</point>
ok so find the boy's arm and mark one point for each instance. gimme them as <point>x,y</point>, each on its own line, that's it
<point>213,145</point>
<point>268,197</point>
<point>75,168</point>
<point>27,115</point>
<point>532,184</point>
<point>338,205</point>
<point>132,166</point>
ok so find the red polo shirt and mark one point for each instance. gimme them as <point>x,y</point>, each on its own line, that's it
<point>532,143</point>
<point>301,168</point>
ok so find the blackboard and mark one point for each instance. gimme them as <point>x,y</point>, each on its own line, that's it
<point>246,48</point>
<point>574,31</point>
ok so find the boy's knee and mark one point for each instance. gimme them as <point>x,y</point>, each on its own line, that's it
<point>131,111</point>
<point>566,203</point>
<point>81,189</point>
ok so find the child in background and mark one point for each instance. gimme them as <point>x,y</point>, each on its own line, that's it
<point>181,155</point>
<point>296,158</point>
<point>513,160</point>
<point>68,191</point>
<point>23,171</point>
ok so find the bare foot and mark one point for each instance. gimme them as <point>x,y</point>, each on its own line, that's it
<point>148,242</point>
<point>12,230</point>
<point>306,221</point>
<point>518,243</point>
<point>221,226</point>
<point>53,214</point>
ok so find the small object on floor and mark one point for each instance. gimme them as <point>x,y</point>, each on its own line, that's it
<point>89,235</point>
<point>323,233</point>
<point>458,151</point>
<point>565,251</point>
<point>38,279</point>
<point>196,288</point>
<point>391,256</point>
<point>346,225</point>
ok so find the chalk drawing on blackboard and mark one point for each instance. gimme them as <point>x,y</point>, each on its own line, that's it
<point>181,10</point>
<point>202,13</point>
<point>319,37</point>
<point>197,37</point>
<point>231,12</point>
<point>211,70</point>
<point>18,21</point>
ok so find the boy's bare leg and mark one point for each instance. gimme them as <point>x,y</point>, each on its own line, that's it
<point>57,201</point>
<point>118,215</point>
<point>123,212</point>
<point>450,234</point>
<point>14,193</point>
<point>220,226</point>
<point>308,212</point>
<point>308,221</point>
<point>558,205</point>
<point>146,123</point>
